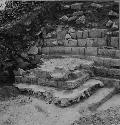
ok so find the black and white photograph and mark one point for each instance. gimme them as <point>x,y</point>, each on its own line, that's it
<point>59,62</point>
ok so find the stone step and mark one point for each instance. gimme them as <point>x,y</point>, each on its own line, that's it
<point>62,84</point>
<point>61,98</point>
<point>86,51</point>
<point>102,97</point>
<point>66,98</point>
<point>86,42</point>
<point>109,82</point>
<point>106,72</point>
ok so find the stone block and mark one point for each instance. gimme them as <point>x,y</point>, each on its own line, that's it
<point>68,50</point>
<point>79,34</point>
<point>101,71</point>
<point>75,50</point>
<point>82,50</point>
<point>91,51</point>
<point>106,52</point>
<point>61,35</point>
<point>99,42</point>
<point>82,42</point>
<point>115,42</point>
<point>90,42</point>
<point>115,62</point>
<point>114,73</point>
<point>46,50</point>
<point>103,32</point>
<point>117,55</point>
<point>95,33</point>
<point>85,34</point>
<point>60,50</point>
<point>73,35</point>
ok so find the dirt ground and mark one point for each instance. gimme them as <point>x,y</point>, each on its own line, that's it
<point>24,110</point>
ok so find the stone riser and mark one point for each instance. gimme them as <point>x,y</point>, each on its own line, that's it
<point>65,102</point>
<point>88,42</point>
<point>58,84</point>
<point>106,72</point>
<point>52,95</point>
<point>89,51</point>
<point>98,61</point>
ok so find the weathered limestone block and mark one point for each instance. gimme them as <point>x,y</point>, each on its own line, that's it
<point>114,73</point>
<point>85,34</point>
<point>72,42</point>
<point>46,50</point>
<point>115,62</point>
<point>82,50</point>
<point>52,50</point>
<point>91,51</point>
<point>100,71</point>
<point>79,34</point>
<point>95,33</point>
<point>82,42</point>
<point>115,42</point>
<point>75,50</point>
<point>73,35</point>
<point>106,52</point>
<point>61,34</point>
<point>107,62</point>
<point>103,32</point>
<point>98,61</point>
<point>89,42</point>
<point>99,42</point>
<point>68,50</point>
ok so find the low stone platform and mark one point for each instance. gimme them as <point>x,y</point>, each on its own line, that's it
<point>62,73</point>
<point>66,98</point>
<point>62,98</point>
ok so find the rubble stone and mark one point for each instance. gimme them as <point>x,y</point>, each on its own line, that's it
<point>73,18</point>
<point>78,13</point>
<point>81,20</point>
<point>76,6</point>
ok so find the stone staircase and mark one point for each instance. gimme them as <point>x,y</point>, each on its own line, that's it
<point>65,84</point>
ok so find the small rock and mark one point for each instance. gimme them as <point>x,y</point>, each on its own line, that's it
<point>109,23</point>
<point>112,13</point>
<point>64,18</point>
<point>81,20</point>
<point>78,13</point>
<point>73,18</point>
<point>33,50</point>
